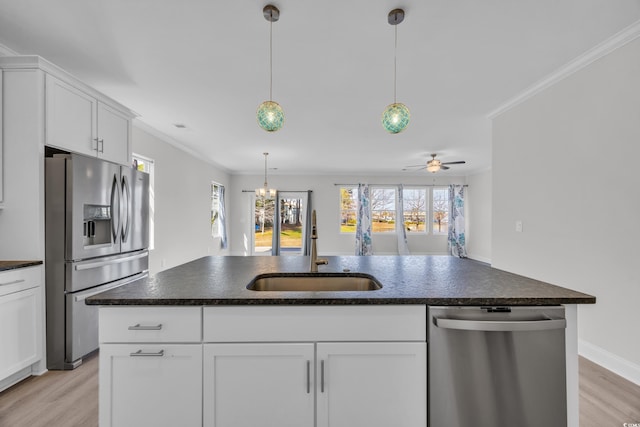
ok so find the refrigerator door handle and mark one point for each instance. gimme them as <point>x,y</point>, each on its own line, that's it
<point>126,209</point>
<point>115,209</point>
<point>84,295</point>
<point>500,326</point>
<point>98,264</point>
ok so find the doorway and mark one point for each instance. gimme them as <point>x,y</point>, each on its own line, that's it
<point>286,214</point>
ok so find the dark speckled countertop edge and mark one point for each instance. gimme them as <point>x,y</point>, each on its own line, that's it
<point>417,280</point>
<point>12,265</point>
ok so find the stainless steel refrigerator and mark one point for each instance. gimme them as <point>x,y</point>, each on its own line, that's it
<point>97,236</point>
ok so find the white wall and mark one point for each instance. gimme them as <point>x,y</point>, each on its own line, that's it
<point>565,163</point>
<point>478,214</point>
<point>182,202</point>
<point>326,202</point>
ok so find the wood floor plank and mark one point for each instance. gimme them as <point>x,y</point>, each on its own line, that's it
<point>70,398</point>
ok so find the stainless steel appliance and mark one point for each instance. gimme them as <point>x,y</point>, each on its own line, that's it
<point>497,367</point>
<point>97,235</point>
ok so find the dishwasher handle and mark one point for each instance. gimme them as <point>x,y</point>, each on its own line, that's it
<point>500,325</point>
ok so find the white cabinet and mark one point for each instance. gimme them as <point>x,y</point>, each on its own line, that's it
<point>355,384</point>
<point>150,366</point>
<point>372,384</point>
<point>248,385</point>
<point>21,331</point>
<point>151,385</point>
<point>1,151</point>
<point>78,122</point>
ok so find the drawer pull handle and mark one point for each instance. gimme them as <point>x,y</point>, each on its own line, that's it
<point>12,282</point>
<point>141,353</point>
<point>322,376</point>
<point>139,327</point>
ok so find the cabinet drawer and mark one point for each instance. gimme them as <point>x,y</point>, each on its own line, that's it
<point>19,279</point>
<point>314,323</point>
<point>150,324</point>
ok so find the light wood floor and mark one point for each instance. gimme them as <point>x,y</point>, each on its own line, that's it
<point>70,398</point>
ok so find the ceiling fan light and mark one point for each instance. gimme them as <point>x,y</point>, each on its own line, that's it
<point>395,117</point>
<point>270,116</point>
<point>433,168</point>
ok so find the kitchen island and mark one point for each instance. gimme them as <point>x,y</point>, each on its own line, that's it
<point>193,346</point>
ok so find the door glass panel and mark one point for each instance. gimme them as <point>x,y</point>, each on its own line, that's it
<point>263,214</point>
<point>292,216</point>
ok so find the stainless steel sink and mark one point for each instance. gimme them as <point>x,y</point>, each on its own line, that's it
<point>314,282</point>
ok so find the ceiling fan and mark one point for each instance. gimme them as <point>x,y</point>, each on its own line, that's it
<point>434,165</point>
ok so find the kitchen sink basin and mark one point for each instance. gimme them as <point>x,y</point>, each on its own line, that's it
<point>314,282</point>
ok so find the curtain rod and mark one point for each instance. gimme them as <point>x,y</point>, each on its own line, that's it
<point>410,185</point>
<point>282,191</point>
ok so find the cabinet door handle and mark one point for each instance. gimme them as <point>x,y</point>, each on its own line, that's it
<point>308,376</point>
<point>322,376</point>
<point>13,282</point>
<point>139,327</point>
<point>101,142</point>
<point>141,353</point>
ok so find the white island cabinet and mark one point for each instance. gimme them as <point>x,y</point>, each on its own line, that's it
<point>150,366</point>
<point>326,366</point>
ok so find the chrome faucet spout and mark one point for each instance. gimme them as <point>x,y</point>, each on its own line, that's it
<point>314,251</point>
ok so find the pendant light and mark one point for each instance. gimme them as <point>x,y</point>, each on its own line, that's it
<point>395,117</point>
<point>270,115</point>
<point>265,192</point>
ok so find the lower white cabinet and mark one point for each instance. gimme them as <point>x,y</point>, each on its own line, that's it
<point>151,385</point>
<point>249,385</point>
<point>372,384</point>
<point>20,330</point>
<point>21,326</point>
<point>355,384</point>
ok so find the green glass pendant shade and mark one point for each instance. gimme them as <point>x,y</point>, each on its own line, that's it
<point>270,116</point>
<point>395,118</point>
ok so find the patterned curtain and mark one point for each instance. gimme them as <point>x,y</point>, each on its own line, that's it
<point>401,230</point>
<point>456,221</point>
<point>363,223</point>
<point>222,218</point>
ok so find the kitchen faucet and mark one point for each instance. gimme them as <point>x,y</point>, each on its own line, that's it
<point>315,262</point>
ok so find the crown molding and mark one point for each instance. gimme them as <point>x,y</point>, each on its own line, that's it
<point>5,51</point>
<point>602,49</point>
<point>137,122</point>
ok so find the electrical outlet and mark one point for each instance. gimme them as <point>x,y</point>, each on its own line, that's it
<point>519,226</point>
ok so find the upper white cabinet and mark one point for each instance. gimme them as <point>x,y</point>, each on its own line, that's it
<point>76,118</point>
<point>79,122</point>
<point>1,160</point>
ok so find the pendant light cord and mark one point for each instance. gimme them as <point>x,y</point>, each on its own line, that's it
<point>395,63</point>
<point>270,60</point>
<point>265,171</point>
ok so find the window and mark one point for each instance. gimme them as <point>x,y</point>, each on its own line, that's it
<point>147,165</point>
<point>415,209</point>
<point>348,209</point>
<point>264,210</point>
<point>215,209</point>
<point>383,210</point>
<point>440,215</point>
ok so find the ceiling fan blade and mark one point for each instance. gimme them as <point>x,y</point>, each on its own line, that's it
<point>444,168</point>
<point>416,166</point>
<point>460,162</point>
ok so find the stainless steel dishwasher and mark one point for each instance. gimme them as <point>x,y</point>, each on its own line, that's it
<point>497,367</point>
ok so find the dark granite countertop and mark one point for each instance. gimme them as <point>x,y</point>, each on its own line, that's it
<point>11,265</point>
<point>432,280</point>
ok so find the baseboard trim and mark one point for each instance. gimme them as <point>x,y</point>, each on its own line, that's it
<point>616,364</point>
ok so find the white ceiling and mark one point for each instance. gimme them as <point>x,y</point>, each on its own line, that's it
<point>204,63</point>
